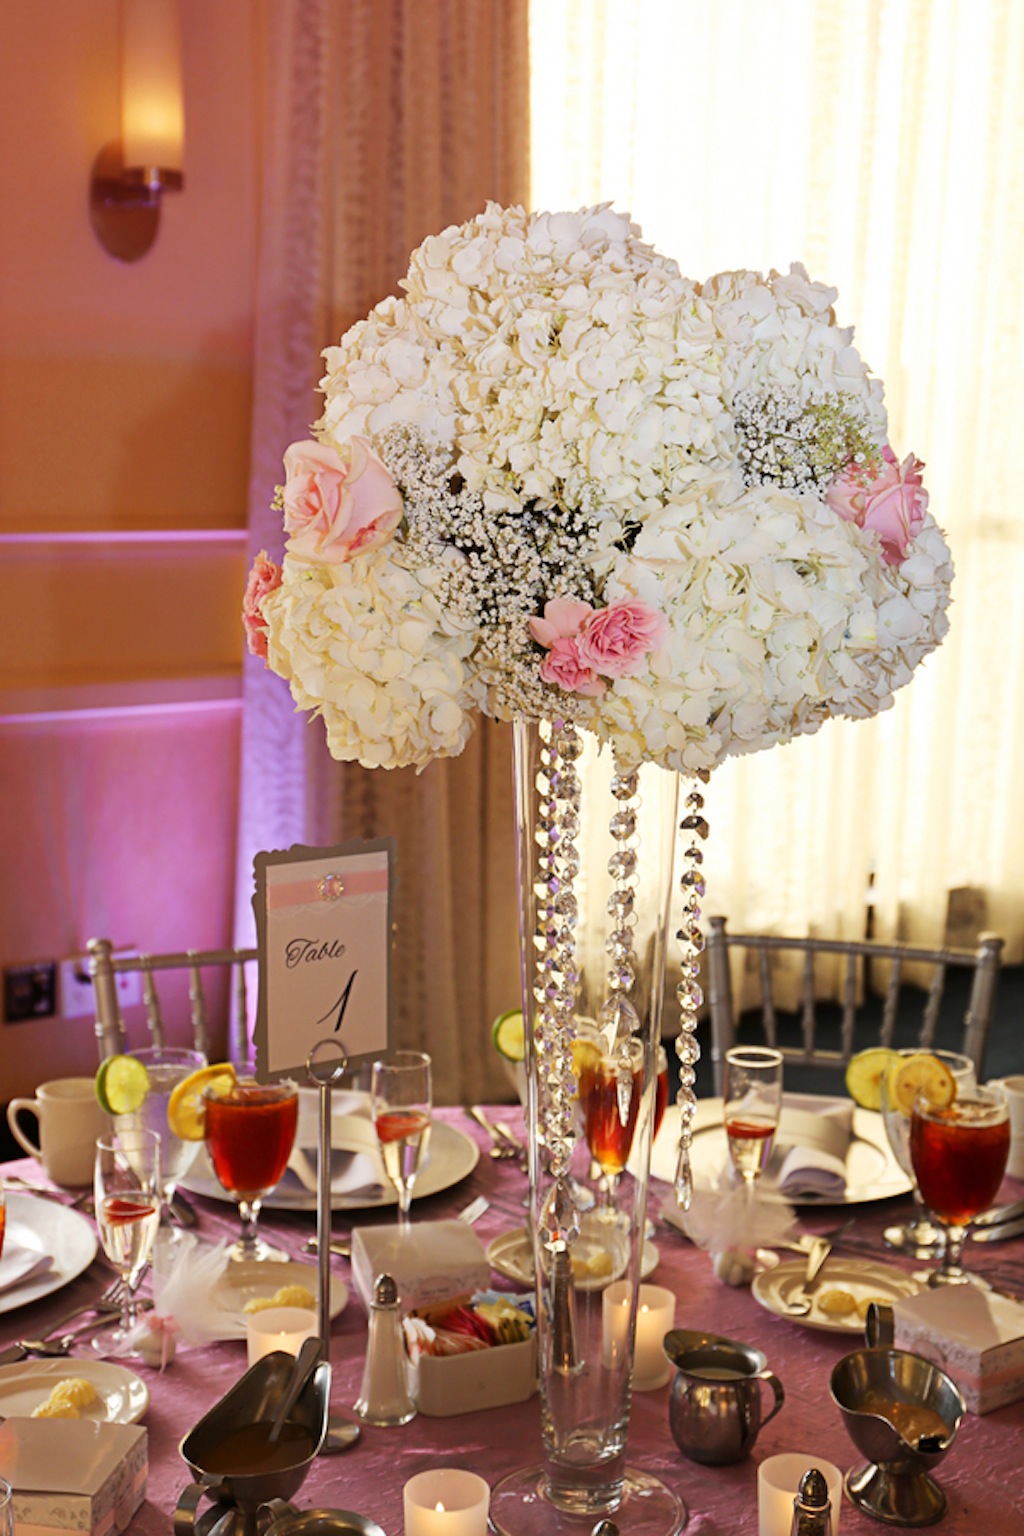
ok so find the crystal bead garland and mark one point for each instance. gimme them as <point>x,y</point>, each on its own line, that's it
<point>556,976</point>
<point>689,991</point>
<point>619,1019</point>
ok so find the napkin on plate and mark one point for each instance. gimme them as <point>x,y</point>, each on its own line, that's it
<point>356,1167</point>
<point>19,1264</point>
<point>811,1146</point>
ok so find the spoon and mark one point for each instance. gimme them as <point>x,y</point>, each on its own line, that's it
<point>306,1362</point>
<point>802,1302</point>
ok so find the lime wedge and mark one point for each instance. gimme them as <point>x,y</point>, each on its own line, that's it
<point>509,1036</point>
<point>864,1073</point>
<point>186,1112</point>
<point>122,1084</point>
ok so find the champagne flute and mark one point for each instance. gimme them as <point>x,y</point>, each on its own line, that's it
<point>752,1101</point>
<point>249,1129</point>
<point>919,1237</point>
<point>127,1190</point>
<point>401,1103</point>
<point>959,1154</point>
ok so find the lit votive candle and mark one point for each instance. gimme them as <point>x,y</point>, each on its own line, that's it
<point>778,1482</point>
<point>446,1502</point>
<point>284,1328</point>
<point>655,1316</point>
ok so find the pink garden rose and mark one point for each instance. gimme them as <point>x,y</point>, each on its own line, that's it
<point>337,503</point>
<point>893,503</point>
<point>615,640</point>
<point>583,643</point>
<point>264,578</point>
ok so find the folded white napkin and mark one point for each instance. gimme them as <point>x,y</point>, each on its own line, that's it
<point>19,1264</point>
<point>811,1147</point>
<point>356,1166</point>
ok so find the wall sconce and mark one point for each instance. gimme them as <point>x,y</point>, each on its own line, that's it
<point>131,174</point>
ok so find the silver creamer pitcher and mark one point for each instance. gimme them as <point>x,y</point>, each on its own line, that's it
<point>716,1403</point>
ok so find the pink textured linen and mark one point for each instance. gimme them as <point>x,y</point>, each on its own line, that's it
<point>722,1500</point>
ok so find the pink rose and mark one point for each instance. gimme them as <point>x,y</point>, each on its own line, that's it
<point>563,668</point>
<point>615,640</point>
<point>562,619</point>
<point>893,503</point>
<point>264,578</point>
<point>337,503</point>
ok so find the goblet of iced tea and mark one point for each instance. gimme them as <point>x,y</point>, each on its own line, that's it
<point>249,1129</point>
<point>959,1155</point>
<point>752,1103</point>
<point>610,1085</point>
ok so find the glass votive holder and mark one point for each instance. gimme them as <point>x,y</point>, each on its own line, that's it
<point>778,1483</point>
<point>655,1316</point>
<point>278,1328</point>
<point>446,1502</point>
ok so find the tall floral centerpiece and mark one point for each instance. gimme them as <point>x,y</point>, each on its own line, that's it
<point>559,483</point>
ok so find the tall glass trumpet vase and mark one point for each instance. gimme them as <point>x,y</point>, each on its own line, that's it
<point>595,845</point>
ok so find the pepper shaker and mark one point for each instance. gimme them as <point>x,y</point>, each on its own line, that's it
<point>384,1396</point>
<point>812,1507</point>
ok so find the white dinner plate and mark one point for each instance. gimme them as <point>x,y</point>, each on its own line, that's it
<point>122,1398</point>
<point>862,1279</point>
<point>872,1172</point>
<point>245,1280</point>
<point>43,1226</point>
<point>511,1255</point>
<point>451,1155</point>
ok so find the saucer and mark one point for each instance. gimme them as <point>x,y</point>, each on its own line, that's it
<point>862,1279</point>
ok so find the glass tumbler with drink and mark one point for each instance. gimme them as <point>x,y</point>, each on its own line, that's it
<point>959,1152</point>
<point>401,1103</point>
<point>752,1103</point>
<point>127,1191</point>
<point>908,1072</point>
<point>165,1067</point>
<point>249,1129</point>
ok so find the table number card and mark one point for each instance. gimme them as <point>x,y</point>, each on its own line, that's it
<point>323,922</point>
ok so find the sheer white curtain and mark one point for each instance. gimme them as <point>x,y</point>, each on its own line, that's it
<point>881,143</point>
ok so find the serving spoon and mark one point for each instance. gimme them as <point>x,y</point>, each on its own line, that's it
<point>802,1302</point>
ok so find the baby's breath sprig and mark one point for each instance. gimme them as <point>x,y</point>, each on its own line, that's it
<point>796,443</point>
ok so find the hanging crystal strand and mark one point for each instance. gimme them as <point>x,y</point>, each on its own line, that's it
<point>689,992</point>
<point>619,1019</point>
<point>557,977</point>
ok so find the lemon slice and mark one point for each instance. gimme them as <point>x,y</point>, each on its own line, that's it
<point>186,1112</point>
<point>864,1073</point>
<point>585,1053</point>
<point>122,1084</point>
<point>921,1074</point>
<point>508,1035</point>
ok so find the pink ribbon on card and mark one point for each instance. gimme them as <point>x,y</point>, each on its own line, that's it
<point>329,887</point>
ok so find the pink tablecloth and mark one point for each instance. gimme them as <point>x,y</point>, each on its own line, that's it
<point>982,1475</point>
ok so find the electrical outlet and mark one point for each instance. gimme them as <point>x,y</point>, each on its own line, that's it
<point>77,999</point>
<point>30,991</point>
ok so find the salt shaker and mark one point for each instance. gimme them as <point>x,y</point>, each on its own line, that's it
<point>384,1396</point>
<point>812,1508</point>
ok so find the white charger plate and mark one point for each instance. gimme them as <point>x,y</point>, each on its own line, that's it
<point>872,1172</point>
<point>122,1396</point>
<point>451,1156</point>
<point>244,1280</point>
<point>46,1227</point>
<point>862,1278</point>
<point>511,1255</point>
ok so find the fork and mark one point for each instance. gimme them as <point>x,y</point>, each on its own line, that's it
<point>342,1247</point>
<point>501,1148</point>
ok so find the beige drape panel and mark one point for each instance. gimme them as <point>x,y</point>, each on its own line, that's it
<point>881,143</point>
<point>386,120</point>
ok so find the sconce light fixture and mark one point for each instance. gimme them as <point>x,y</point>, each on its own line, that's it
<point>131,174</point>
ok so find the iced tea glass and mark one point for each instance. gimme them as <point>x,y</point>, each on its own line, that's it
<point>752,1103</point>
<point>609,1091</point>
<point>919,1237</point>
<point>959,1155</point>
<point>250,1131</point>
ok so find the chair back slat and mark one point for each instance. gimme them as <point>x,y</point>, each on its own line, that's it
<point>105,967</point>
<point>849,1024</point>
<point>930,1021</point>
<point>154,1018</point>
<point>240,1016</point>
<point>891,1004</point>
<point>767,997</point>
<point>197,1003</point>
<point>807,1020</point>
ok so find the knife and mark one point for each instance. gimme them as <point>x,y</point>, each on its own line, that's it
<point>998,1234</point>
<point>998,1214</point>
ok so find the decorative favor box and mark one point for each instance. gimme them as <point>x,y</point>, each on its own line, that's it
<point>444,1385</point>
<point>432,1262</point>
<point>976,1336</point>
<point>73,1474</point>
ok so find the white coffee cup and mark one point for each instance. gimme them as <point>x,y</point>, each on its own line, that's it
<point>1013,1087</point>
<point>70,1119</point>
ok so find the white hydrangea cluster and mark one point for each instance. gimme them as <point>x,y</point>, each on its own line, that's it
<point>561,364</point>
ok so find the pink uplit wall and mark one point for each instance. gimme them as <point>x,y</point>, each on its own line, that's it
<point>124,447</point>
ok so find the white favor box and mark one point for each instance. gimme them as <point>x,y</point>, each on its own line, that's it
<point>431,1262</point>
<point>73,1474</point>
<point>444,1385</point>
<point>976,1337</point>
